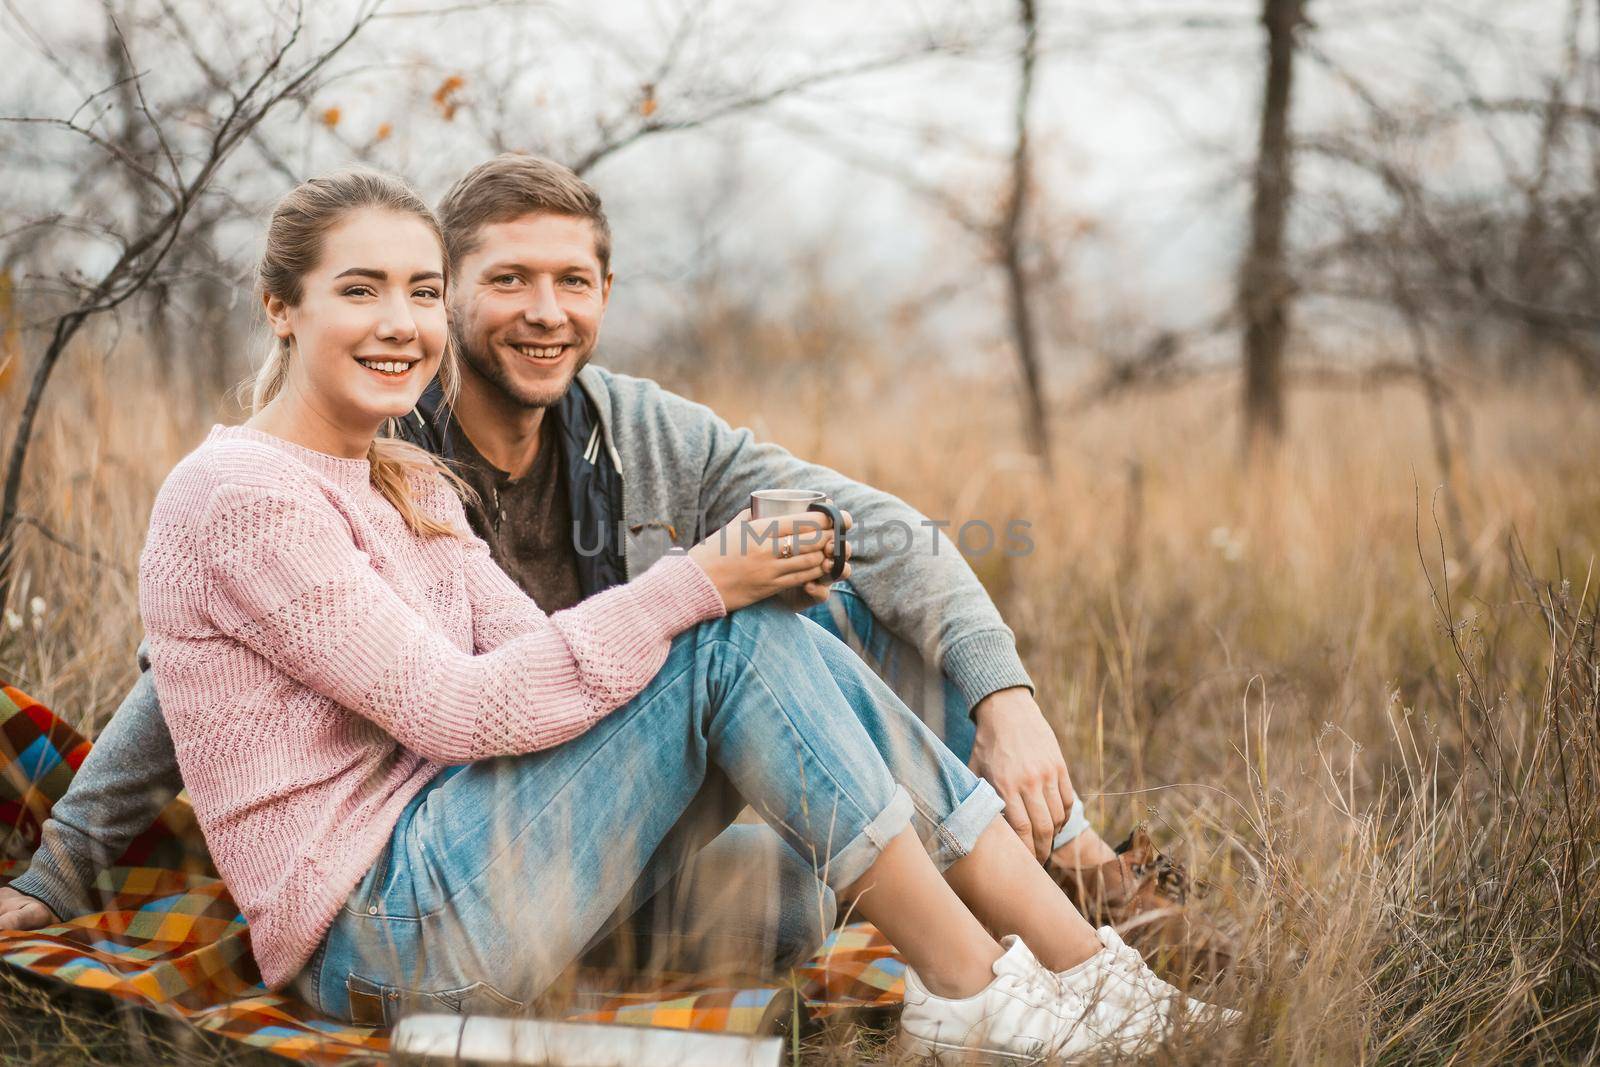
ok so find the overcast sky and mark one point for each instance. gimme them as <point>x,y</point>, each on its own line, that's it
<point>1144,123</point>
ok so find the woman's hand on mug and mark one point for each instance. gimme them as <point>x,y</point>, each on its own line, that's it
<point>750,561</point>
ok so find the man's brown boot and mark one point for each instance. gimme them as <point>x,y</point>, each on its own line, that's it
<point>1144,894</point>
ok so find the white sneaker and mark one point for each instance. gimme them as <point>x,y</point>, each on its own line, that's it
<point>1129,1003</point>
<point>1023,1016</point>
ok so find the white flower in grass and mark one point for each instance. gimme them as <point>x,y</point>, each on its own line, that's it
<point>37,606</point>
<point>1231,543</point>
<point>13,621</point>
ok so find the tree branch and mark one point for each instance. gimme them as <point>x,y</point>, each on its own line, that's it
<point>144,255</point>
<point>612,144</point>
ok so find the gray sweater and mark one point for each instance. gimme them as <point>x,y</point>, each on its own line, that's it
<point>685,474</point>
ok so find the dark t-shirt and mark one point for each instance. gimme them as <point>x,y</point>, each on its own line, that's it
<point>526,521</point>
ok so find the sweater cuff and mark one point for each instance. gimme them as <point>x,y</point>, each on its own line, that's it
<point>677,593</point>
<point>985,663</point>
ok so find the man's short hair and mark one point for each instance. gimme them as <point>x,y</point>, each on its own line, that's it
<point>510,186</point>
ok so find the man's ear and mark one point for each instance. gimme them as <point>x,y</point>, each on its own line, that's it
<point>277,315</point>
<point>605,289</point>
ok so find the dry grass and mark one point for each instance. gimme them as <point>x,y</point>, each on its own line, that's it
<point>40,1024</point>
<point>1381,746</point>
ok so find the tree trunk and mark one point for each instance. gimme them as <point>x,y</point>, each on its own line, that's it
<point>1265,289</point>
<point>136,267</point>
<point>1024,332</point>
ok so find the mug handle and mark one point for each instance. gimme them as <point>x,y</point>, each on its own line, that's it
<point>830,509</point>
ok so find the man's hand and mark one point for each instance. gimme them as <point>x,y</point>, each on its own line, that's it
<point>817,592</point>
<point>1018,753</point>
<point>19,911</point>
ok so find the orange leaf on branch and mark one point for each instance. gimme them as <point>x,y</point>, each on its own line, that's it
<point>444,97</point>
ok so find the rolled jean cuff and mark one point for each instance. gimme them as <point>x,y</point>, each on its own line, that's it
<point>959,832</point>
<point>1077,823</point>
<point>852,861</point>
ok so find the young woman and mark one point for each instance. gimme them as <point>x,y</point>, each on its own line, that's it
<point>423,790</point>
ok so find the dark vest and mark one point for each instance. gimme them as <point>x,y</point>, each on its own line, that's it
<point>593,482</point>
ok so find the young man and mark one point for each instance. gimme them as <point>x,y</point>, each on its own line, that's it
<point>583,479</point>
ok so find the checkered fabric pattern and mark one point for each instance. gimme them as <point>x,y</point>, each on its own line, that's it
<point>171,939</point>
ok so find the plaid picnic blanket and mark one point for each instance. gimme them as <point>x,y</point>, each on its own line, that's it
<point>171,939</point>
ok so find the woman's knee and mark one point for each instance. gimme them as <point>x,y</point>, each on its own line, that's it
<point>763,618</point>
<point>767,653</point>
<point>759,632</point>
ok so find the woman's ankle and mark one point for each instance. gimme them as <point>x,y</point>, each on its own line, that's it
<point>953,979</point>
<point>1069,949</point>
<point>906,897</point>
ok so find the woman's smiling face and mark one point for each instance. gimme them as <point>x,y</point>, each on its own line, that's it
<point>370,327</point>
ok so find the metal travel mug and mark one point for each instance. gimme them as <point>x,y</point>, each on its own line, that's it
<point>775,503</point>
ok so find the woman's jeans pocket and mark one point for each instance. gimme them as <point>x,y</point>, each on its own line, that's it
<point>374,971</point>
<point>375,1004</point>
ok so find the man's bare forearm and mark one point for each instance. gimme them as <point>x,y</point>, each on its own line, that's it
<point>129,775</point>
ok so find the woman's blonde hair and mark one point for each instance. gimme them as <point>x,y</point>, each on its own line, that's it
<point>294,247</point>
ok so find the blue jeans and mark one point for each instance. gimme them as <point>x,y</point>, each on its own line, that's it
<point>747,901</point>
<point>501,873</point>
<point>925,690</point>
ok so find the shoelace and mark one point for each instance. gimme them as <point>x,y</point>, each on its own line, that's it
<point>1042,981</point>
<point>1133,967</point>
<point>1129,959</point>
<point>1138,973</point>
<point>1129,967</point>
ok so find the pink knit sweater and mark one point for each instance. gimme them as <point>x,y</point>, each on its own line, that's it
<point>317,663</point>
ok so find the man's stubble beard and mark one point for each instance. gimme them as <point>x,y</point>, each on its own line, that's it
<point>485,366</point>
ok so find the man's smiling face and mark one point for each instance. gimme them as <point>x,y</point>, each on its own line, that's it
<point>526,311</point>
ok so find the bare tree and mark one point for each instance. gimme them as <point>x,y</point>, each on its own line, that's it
<point>998,219</point>
<point>1265,284</point>
<point>173,181</point>
<point>1009,237</point>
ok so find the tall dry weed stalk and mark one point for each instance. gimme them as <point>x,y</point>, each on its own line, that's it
<point>1379,748</point>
